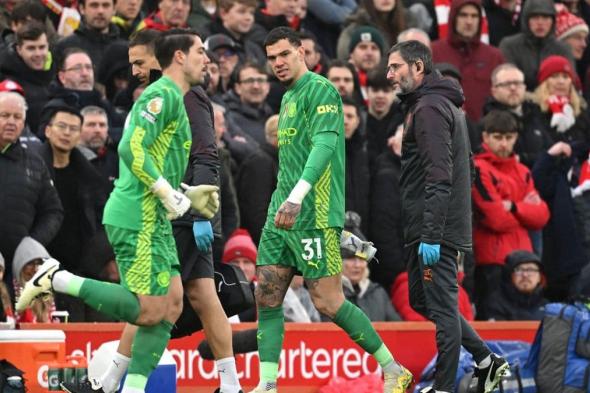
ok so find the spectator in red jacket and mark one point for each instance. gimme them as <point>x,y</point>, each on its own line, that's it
<point>400,297</point>
<point>506,204</point>
<point>463,49</point>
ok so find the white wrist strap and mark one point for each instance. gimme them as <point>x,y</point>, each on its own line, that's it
<point>299,192</point>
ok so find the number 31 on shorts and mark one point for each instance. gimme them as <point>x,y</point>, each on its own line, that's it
<point>309,251</point>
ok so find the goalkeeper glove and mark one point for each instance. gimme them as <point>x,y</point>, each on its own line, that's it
<point>204,198</point>
<point>175,202</point>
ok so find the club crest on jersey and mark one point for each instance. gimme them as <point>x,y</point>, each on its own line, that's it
<point>155,106</point>
<point>291,109</point>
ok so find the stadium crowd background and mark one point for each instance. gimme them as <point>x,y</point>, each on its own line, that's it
<point>523,66</point>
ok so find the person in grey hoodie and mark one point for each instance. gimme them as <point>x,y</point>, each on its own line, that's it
<point>536,41</point>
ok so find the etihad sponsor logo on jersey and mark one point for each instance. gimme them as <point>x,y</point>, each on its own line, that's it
<point>286,135</point>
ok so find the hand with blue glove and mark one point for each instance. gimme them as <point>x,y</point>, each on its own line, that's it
<point>203,233</point>
<point>430,253</point>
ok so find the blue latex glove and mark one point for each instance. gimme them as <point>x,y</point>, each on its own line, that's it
<point>203,235</point>
<point>430,253</point>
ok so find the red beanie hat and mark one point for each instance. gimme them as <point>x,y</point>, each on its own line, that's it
<point>239,244</point>
<point>554,64</point>
<point>567,23</point>
<point>8,85</point>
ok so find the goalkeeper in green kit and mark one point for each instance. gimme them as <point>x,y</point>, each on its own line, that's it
<point>154,155</point>
<point>306,215</point>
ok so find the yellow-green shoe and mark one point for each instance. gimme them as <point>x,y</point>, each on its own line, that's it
<point>397,383</point>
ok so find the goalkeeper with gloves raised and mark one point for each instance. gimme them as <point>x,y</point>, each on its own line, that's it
<point>154,154</point>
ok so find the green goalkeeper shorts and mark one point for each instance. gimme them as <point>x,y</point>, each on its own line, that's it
<point>147,258</point>
<point>315,253</point>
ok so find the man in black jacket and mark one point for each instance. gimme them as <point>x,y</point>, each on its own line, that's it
<point>96,31</point>
<point>508,93</point>
<point>30,204</point>
<point>436,201</point>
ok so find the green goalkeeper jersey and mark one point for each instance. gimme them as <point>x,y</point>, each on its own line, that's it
<point>311,106</point>
<point>156,142</point>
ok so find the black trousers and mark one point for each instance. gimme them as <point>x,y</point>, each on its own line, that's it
<point>434,294</point>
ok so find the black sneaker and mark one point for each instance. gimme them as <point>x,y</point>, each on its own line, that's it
<point>489,377</point>
<point>88,386</point>
<point>218,390</point>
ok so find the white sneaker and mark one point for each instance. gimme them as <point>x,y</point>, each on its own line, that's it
<point>259,389</point>
<point>38,285</point>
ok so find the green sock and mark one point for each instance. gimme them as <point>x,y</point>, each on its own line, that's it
<point>112,299</point>
<point>354,322</point>
<point>148,346</point>
<point>271,331</point>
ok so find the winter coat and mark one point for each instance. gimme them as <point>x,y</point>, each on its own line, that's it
<point>504,23</point>
<point>34,83</point>
<point>377,131</point>
<point>474,59</point>
<point>563,250</point>
<point>533,135</point>
<point>106,162</point>
<point>509,304</point>
<point>400,297</point>
<point>90,201</point>
<point>358,178</point>
<point>250,119</point>
<point>255,182</point>
<point>92,41</point>
<point>527,51</point>
<point>385,226</point>
<point>204,165</point>
<point>371,298</point>
<point>498,232</point>
<point>579,132</point>
<point>59,95</point>
<point>30,203</point>
<point>436,166</point>
<point>324,20</point>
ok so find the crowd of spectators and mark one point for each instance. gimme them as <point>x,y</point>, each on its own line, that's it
<point>70,71</point>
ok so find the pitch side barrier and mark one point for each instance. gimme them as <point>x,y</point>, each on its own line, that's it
<point>312,354</point>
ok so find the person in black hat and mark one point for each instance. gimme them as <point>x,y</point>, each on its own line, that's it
<point>520,296</point>
<point>228,53</point>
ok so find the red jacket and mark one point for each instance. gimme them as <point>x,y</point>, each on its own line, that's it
<point>474,59</point>
<point>498,232</point>
<point>400,297</point>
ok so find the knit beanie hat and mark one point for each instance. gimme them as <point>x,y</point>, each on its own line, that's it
<point>567,23</point>
<point>9,85</point>
<point>366,34</point>
<point>27,250</point>
<point>554,64</point>
<point>239,244</point>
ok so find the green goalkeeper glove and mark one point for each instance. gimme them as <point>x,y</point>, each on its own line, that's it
<point>204,198</point>
<point>175,202</point>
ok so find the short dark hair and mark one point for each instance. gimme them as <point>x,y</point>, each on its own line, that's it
<point>171,41</point>
<point>341,64</point>
<point>346,100</point>
<point>377,79</point>
<point>500,121</point>
<point>249,64</point>
<point>61,65</point>
<point>413,51</point>
<point>228,4</point>
<point>83,2</point>
<point>145,37</point>
<point>30,31</point>
<point>282,33</point>
<point>28,9</point>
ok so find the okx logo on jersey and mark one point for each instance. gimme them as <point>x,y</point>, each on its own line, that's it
<point>328,108</point>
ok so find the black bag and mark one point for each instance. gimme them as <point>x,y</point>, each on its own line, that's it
<point>234,292</point>
<point>11,378</point>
